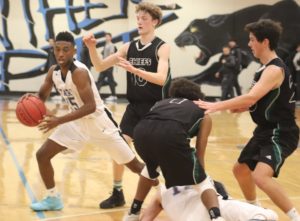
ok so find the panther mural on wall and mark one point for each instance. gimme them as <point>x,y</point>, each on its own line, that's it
<point>42,19</point>
<point>212,33</point>
<point>49,12</point>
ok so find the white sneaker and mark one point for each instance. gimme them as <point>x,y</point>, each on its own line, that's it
<point>131,217</point>
<point>111,98</point>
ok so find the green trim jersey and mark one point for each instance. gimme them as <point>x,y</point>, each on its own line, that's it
<point>145,57</point>
<point>180,110</point>
<point>278,105</point>
<point>162,139</point>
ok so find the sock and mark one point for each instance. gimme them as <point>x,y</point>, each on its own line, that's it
<point>52,192</point>
<point>136,206</point>
<point>214,212</point>
<point>293,214</point>
<point>118,185</point>
<point>254,202</point>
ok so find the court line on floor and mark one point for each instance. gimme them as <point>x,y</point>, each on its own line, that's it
<point>21,173</point>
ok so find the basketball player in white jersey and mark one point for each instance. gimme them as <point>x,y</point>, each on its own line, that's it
<point>146,61</point>
<point>88,120</point>
<point>182,203</point>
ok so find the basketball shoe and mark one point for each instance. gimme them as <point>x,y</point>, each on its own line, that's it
<point>48,203</point>
<point>115,200</point>
<point>131,217</point>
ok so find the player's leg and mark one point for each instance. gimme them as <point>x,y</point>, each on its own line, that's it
<point>65,136</point>
<point>44,156</point>
<point>117,198</point>
<point>263,178</point>
<point>101,80</point>
<point>143,148</point>
<point>128,122</point>
<point>243,175</point>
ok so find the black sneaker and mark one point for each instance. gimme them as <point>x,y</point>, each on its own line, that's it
<point>115,200</point>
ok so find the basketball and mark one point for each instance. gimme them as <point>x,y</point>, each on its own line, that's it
<point>30,110</point>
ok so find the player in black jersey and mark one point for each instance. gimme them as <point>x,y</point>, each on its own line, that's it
<point>162,139</point>
<point>146,61</point>
<point>272,107</point>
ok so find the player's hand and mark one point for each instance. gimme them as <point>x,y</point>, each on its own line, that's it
<point>239,110</point>
<point>210,107</point>
<point>89,40</point>
<point>123,63</point>
<point>49,122</point>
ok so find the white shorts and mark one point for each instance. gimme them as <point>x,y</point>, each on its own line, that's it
<point>100,131</point>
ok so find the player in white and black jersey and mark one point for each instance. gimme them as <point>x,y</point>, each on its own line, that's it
<point>146,61</point>
<point>88,120</point>
<point>271,103</point>
<point>182,203</point>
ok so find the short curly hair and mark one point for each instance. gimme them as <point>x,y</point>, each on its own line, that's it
<point>65,36</point>
<point>152,9</point>
<point>184,88</point>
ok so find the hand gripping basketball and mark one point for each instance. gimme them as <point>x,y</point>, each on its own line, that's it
<point>30,110</point>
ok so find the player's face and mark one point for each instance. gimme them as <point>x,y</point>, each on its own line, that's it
<point>146,24</point>
<point>107,38</point>
<point>64,52</point>
<point>255,45</point>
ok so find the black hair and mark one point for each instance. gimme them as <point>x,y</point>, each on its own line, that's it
<point>65,36</point>
<point>266,29</point>
<point>184,88</point>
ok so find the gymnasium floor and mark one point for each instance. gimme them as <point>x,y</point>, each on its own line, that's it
<point>86,178</point>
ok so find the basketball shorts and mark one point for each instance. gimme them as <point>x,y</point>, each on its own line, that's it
<point>164,145</point>
<point>101,131</point>
<point>271,146</point>
<point>133,114</point>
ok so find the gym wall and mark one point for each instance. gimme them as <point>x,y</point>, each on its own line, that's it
<point>27,25</point>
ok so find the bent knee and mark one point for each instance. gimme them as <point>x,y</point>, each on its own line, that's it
<point>240,170</point>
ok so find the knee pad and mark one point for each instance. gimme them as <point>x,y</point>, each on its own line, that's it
<point>145,173</point>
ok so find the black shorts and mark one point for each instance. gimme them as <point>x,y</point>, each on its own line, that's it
<point>271,146</point>
<point>164,145</point>
<point>133,114</point>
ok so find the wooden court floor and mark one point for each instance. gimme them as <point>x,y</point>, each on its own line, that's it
<point>86,178</point>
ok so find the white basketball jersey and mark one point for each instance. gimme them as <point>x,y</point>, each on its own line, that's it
<point>69,92</point>
<point>183,203</point>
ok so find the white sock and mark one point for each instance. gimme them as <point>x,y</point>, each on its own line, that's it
<point>52,192</point>
<point>293,214</point>
<point>254,202</point>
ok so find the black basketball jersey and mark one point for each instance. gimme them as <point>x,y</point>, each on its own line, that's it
<point>181,110</point>
<point>278,105</point>
<point>145,58</point>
